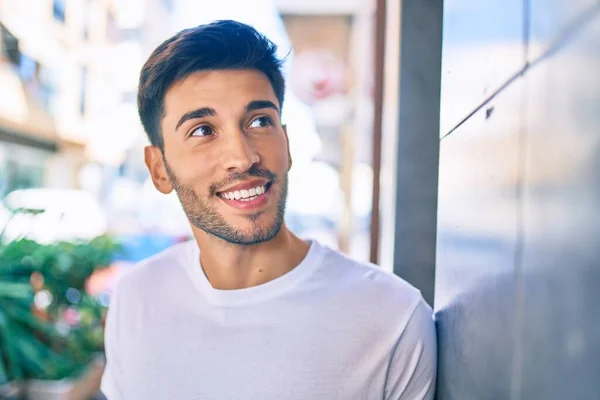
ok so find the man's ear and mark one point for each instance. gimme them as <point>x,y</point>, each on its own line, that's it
<point>158,172</point>
<point>287,141</point>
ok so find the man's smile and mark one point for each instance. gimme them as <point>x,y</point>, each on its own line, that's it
<point>248,195</point>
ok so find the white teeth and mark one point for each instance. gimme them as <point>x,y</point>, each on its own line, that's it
<point>244,194</point>
<point>249,198</point>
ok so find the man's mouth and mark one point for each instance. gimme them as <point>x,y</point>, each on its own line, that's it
<point>246,194</point>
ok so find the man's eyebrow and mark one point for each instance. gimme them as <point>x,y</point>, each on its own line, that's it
<point>198,113</point>
<point>260,104</point>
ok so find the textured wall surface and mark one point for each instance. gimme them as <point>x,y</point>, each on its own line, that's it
<point>518,244</point>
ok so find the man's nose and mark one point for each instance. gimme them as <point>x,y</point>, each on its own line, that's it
<point>239,152</point>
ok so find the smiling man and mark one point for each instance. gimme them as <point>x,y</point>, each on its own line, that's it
<point>247,310</point>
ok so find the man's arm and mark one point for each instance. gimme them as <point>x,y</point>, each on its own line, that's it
<point>412,370</point>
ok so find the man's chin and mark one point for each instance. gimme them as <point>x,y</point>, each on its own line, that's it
<point>247,238</point>
<point>257,233</point>
<point>244,232</point>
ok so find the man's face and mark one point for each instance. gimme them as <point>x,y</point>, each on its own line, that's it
<point>225,154</point>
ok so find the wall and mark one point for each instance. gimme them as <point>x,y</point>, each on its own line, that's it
<point>417,143</point>
<point>517,276</point>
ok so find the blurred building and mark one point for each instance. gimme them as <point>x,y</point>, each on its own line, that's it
<point>52,53</point>
<point>332,72</point>
<point>68,73</point>
<point>68,112</point>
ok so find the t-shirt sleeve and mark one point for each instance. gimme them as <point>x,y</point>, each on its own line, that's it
<point>413,366</point>
<point>111,385</point>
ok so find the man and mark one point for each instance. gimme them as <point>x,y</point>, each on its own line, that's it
<point>247,310</point>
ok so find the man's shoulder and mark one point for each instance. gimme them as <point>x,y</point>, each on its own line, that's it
<point>367,282</point>
<point>157,270</point>
<point>380,301</point>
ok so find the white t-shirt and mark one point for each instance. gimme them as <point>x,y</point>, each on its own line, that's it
<point>331,328</point>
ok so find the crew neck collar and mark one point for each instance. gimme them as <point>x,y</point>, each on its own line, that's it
<point>254,294</point>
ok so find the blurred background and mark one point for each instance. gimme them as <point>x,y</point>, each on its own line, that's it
<point>455,143</point>
<point>71,144</point>
<point>70,130</point>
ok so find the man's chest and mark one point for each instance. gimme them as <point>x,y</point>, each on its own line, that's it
<point>254,358</point>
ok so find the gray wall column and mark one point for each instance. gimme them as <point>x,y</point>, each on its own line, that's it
<point>418,143</point>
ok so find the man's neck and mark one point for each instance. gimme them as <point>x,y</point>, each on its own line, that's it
<point>230,267</point>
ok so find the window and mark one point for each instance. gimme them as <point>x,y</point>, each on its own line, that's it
<point>86,26</point>
<point>168,4</point>
<point>58,10</point>
<point>39,80</point>
<point>48,87</point>
<point>131,34</point>
<point>21,167</point>
<point>87,10</point>
<point>10,46</point>
<point>83,93</point>
<point>129,97</point>
<point>28,68</point>
<point>112,29</point>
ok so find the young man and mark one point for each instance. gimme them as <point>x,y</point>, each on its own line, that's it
<point>247,310</point>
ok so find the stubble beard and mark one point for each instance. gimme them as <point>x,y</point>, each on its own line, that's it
<point>208,219</point>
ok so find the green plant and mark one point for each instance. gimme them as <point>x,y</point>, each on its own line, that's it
<point>50,328</point>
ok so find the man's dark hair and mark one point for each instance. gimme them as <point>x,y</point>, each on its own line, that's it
<point>216,46</point>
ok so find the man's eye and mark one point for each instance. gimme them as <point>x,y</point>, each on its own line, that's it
<point>203,130</point>
<point>261,122</point>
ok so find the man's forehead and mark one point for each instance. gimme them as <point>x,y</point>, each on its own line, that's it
<point>219,86</point>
